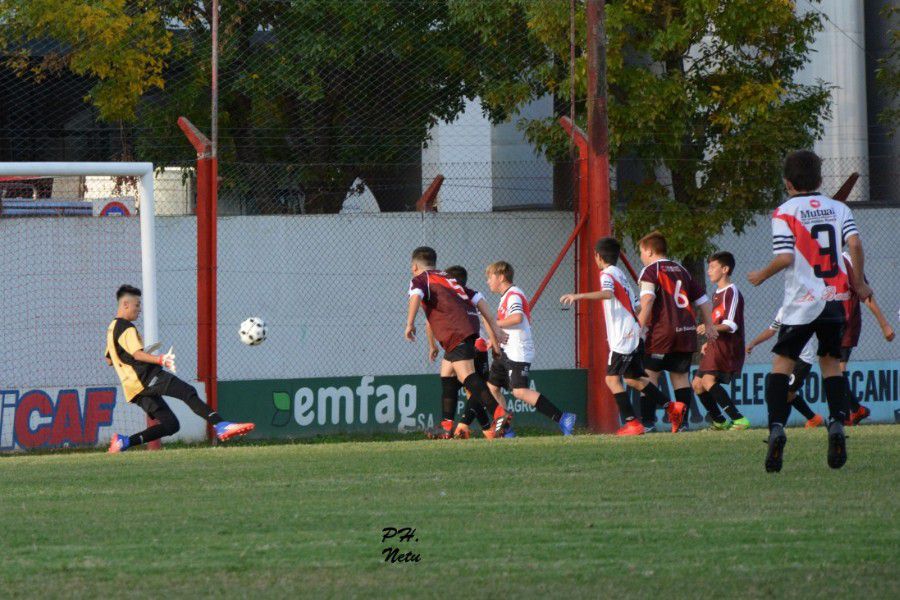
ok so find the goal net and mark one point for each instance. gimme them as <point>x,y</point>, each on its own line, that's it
<point>70,235</point>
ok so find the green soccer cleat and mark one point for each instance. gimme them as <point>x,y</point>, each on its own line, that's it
<point>717,426</point>
<point>739,424</point>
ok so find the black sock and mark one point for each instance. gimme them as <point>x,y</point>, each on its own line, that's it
<point>188,394</point>
<point>836,395</point>
<point>777,385</point>
<point>475,410</point>
<point>648,410</point>
<point>654,395</point>
<point>684,395</point>
<point>724,400</point>
<point>547,408</point>
<point>449,393</point>
<point>802,407</point>
<point>851,397</point>
<point>479,390</point>
<point>625,409</point>
<point>711,407</point>
<point>167,424</point>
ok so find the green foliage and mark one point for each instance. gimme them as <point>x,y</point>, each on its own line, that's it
<point>702,99</point>
<point>122,46</point>
<point>888,73</point>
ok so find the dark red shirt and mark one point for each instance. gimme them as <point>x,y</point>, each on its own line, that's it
<point>854,315</point>
<point>449,307</point>
<point>726,353</point>
<point>673,324</point>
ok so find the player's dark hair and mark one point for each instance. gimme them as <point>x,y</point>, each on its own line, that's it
<point>426,255</point>
<point>127,290</point>
<point>458,273</point>
<point>656,241</point>
<point>501,267</point>
<point>608,248</point>
<point>726,259</point>
<point>803,169</point>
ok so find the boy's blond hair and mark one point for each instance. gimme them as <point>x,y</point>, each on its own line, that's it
<point>501,267</point>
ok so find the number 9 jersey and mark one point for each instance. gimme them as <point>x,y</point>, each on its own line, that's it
<point>813,228</point>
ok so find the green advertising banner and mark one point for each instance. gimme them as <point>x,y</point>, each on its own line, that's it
<point>293,408</point>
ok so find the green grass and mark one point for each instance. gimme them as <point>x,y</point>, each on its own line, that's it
<point>690,516</point>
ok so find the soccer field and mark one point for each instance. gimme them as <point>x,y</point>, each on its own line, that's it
<point>690,515</point>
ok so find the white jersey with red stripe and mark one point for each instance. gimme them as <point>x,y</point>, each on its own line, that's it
<point>814,228</point>
<point>622,329</point>
<point>520,345</point>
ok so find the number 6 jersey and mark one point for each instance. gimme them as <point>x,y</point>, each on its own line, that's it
<point>814,228</point>
<point>673,324</point>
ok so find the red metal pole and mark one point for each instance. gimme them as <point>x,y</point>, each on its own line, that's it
<point>207,187</point>
<point>602,413</point>
<point>559,257</point>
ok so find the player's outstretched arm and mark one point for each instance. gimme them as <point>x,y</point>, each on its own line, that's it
<point>886,328</point>
<point>166,360</point>
<point>778,264</point>
<point>568,299</point>
<point>766,335</point>
<point>414,303</point>
<point>858,259</point>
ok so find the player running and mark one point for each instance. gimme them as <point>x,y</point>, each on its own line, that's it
<point>668,297</point>
<point>511,368</point>
<point>448,311</point>
<point>809,234</point>
<point>626,350</point>
<point>722,359</point>
<point>144,382</point>
<point>850,340</point>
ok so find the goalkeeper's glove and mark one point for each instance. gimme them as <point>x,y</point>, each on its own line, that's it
<point>167,360</point>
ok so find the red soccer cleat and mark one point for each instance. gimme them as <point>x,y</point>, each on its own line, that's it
<point>814,422</point>
<point>632,427</point>
<point>676,411</point>
<point>227,430</point>
<point>858,415</point>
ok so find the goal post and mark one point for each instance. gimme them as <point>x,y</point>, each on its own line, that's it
<point>62,255</point>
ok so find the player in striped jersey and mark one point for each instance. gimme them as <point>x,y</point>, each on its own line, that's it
<point>809,234</point>
<point>626,350</point>
<point>849,341</point>
<point>722,358</point>
<point>511,368</point>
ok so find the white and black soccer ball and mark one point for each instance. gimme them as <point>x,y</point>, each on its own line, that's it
<point>253,331</point>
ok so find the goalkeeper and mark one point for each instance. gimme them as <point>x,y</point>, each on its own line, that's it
<point>145,382</point>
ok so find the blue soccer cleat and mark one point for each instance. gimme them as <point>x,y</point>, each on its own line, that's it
<point>226,430</point>
<point>509,433</point>
<point>567,423</point>
<point>118,443</point>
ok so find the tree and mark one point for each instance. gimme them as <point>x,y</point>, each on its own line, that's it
<point>888,72</point>
<point>702,99</point>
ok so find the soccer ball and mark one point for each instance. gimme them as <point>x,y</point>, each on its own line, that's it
<point>253,331</point>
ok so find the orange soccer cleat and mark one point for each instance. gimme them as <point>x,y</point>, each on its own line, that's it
<point>858,415</point>
<point>814,422</point>
<point>632,427</point>
<point>676,411</point>
<point>227,430</point>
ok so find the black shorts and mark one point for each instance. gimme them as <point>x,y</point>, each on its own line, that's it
<point>509,374</point>
<point>721,376</point>
<point>152,404</point>
<point>673,362</point>
<point>465,350</point>
<point>630,365</point>
<point>481,364</point>
<point>846,351</point>
<point>798,377</point>
<point>792,338</point>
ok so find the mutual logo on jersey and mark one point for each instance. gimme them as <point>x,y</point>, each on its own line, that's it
<point>816,214</point>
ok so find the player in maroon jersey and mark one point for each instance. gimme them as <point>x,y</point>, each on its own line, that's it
<point>669,296</point>
<point>850,340</point>
<point>448,308</point>
<point>723,358</point>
